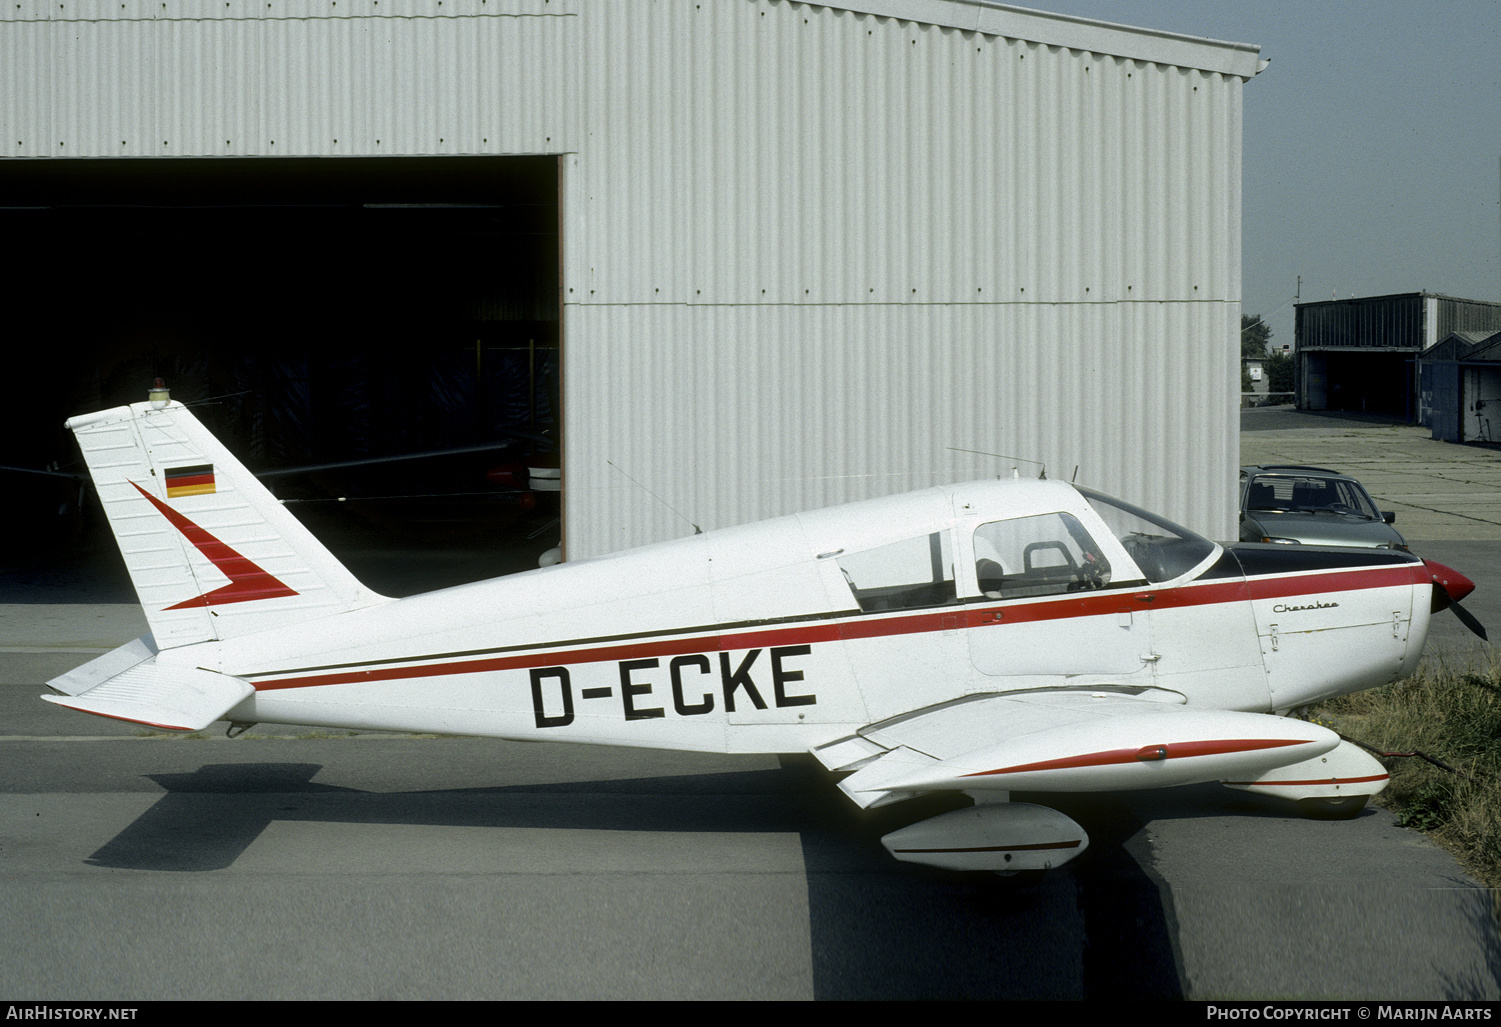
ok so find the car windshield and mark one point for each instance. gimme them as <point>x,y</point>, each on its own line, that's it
<point>1309,493</point>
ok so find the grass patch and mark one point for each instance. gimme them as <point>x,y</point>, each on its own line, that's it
<point>1453,716</point>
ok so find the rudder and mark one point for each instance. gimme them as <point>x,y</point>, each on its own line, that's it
<point>211,553</point>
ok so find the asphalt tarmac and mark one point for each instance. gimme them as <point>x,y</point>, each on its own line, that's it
<point>300,864</point>
<point>363,867</point>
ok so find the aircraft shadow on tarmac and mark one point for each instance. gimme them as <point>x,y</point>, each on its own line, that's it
<point>1103,925</point>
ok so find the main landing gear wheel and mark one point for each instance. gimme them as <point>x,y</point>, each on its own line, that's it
<point>1019,878</point>
<point>1338,807</point>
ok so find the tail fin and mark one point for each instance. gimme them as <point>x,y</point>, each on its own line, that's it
<point>211,552</point>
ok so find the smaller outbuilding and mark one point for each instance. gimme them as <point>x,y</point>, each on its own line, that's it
<point>1460,387</point>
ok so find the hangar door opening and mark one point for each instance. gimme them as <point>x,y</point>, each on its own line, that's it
<point>1373,382</point>
<point>380,336</point>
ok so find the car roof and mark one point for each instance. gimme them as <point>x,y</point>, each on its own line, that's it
<point>1291,468</point>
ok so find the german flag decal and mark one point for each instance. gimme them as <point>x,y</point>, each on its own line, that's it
<point>190,481</point>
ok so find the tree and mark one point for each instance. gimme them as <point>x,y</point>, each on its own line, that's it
<point>1279,372</point>
<point>1255,337</point>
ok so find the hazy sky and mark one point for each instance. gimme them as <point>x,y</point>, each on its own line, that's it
<point>1372,143</point>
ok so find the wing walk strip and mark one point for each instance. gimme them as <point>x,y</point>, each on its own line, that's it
<point>844,627</point>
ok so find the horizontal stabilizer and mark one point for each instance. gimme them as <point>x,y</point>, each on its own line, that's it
<point>99,670</point>
<point>172,698</point>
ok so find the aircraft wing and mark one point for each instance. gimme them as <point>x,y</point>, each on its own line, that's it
<point>1066,741</point>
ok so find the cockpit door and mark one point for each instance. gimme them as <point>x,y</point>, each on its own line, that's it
<point>1040,601</point>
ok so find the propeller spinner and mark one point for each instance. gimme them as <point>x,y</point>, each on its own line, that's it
<point>1449,587</point>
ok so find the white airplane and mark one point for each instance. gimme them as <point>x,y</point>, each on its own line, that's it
<point>985,638</point>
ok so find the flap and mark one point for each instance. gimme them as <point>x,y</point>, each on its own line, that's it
<point>955,728</point>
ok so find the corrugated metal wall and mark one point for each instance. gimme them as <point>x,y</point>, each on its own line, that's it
<point>1406,321</point>
<point>749,410</point>
<point>1380,322</point>
<point>805,249</point>
<point>1456,315</point>
<point>808,249</point>
<point>178,78</point>
<point>794,154</point>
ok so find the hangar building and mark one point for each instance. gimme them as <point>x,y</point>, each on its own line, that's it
<point>773,255</point>
<point>1362,353</point>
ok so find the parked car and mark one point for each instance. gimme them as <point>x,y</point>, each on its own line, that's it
<point>1312,505</point>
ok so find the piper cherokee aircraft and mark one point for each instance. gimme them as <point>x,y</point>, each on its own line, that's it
<point>984,638</point>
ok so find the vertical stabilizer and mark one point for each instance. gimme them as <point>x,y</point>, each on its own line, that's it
<point>211,552</point>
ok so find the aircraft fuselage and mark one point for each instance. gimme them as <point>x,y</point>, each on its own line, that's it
<point>775,644</point>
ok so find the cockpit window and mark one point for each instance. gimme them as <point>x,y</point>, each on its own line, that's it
<point>1034,556</point>
<point>911,573</point>
<point>1163,550</point>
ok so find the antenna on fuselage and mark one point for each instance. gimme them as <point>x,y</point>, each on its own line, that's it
<point>1042,474</point>
<point>696,529</point>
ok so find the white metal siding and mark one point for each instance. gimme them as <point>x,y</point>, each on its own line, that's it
<point>775,153</point>
<point>805,248</point>
<point>203,78</point>
<point>743,411</point>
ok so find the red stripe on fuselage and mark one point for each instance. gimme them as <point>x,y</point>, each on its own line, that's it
<point>971,615</point>
<point>1285,585</point>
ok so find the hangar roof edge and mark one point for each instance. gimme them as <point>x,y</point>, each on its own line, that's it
<point>998,19</point>
<point>1352,300</point>
<point>1464,347</point>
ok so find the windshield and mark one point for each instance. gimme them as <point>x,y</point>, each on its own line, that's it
<point>1309,493</point>
<point>1163,550</point>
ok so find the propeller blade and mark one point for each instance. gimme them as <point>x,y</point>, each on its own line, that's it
<point>1449,587</point>
<point>1468,620</point>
